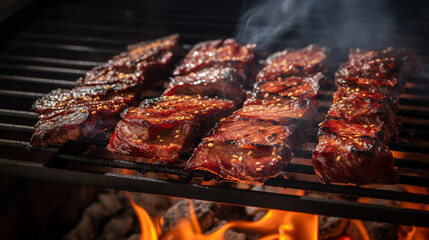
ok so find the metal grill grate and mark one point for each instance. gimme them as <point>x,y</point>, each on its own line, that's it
<point>71,37</point>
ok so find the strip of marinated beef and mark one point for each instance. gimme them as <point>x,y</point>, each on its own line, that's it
<point>219,80</point>
<point>353,140</point>
<point>366,107</point>
<point>378,71</point>
<point>93,106</point>
<point>215,52</point>
<point>303,87</point>
<point>166,127</point>
<point>245,150</point>
<point>210,69</point>
<point>284,112</point>
<point>256,142</point>
<point>351,153</point>
<point>290,62</point>
<point>139,67</point>
<point>77,115</point>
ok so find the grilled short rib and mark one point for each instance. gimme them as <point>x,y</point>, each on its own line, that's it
<point>256,142</point>
<point>222,81</point>
<point>139,67</point>
<point>290,62</point>
<point>381,71</point>
<point>295,86</point>
<point>353,140</point>
<point>93,106</point>
<point>245,150</point>
<point>215,52</point>
<point>77,115</point>
<point>283,112</point>
<point>366,107</point>
<point>351,153</point>
<point>165,127</point>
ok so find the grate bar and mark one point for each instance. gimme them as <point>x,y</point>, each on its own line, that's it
<point>45,36</point>
<point>143,21</point>
<point>43,69</point>
<point>44,81</point>
<point>51,60</point>
<point>26,145</point>
<point>327,207</point>
<point>117,30</point>
<point>20,94</point>
<point>106,12</point>
<point>16,128</point>
<point>66,47</point>
<point>17,113</point>
<point>275,182</point>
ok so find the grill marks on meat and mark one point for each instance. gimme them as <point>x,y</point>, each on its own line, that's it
<point>223,81</point>
<point>76,115</point>
<point>283,112</point>
<point>166,127</point>
<point>256,142</point>
<point>366,107</point>
<point>244,150</point>
<point>303,87</point>
<point>353,140</point>
<point>378,71</point>
<point>215,52</point>
<point>129,70</point>
<point>290,62</point>
<point>353,153</point>
<point>93,106</point>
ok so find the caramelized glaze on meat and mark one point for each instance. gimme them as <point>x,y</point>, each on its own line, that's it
<point>215,52</point>
<point>245,150</point>
<point>70,115</point>
<point>382,71</point>
<point>166,127</point>
<point>351,153</point>
<point>353,140</point>
<point>223,81</point>
<point>92,108</point>
<point>282,112</point>
<point>303,62</point>
<point>256,142</point>
<point>302,87</point>
<point>366,107</point>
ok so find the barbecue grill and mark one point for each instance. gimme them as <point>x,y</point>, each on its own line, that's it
<point>67,38</point>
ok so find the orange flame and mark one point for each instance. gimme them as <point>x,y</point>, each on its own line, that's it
<point>149,228</point>
<point>275,224</point>
<point>417,233</point>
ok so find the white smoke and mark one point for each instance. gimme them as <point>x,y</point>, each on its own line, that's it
<point>350,23</point>
<point>264,22</point>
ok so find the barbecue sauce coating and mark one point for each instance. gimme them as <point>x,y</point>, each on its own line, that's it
<point>166,127</point>
<point>295,86</point>
<point>378,71</point>
<point>353,154</point>
<point>290,62</point>
<point>245,150</point>
<point>353,140</point>
<point>76,116</point>
<point>215,52</point>
<point>256,142</point>
<point>223,81</point>
<point>92,108</point>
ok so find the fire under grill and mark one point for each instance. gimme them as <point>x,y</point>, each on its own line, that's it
<point>70,37</point>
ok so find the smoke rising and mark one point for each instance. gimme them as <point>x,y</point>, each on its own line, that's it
<point>264,22</point>
<point>352,23</point>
